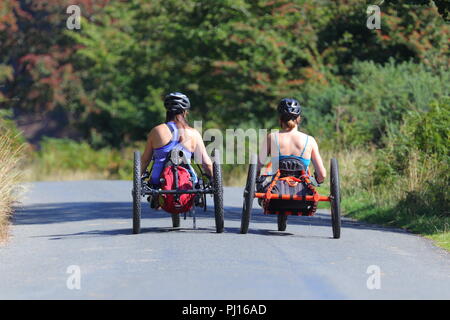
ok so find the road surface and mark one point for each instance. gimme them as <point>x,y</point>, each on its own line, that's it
<point>72,240</point>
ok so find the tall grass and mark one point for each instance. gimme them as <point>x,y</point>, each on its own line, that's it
<point>10,174</point>
<point>417,199</point>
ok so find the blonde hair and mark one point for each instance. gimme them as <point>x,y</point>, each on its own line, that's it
<point>287,123</point>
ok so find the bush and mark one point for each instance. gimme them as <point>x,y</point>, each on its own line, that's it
<point>408,186</point>
<point>373,102</point>
<point>424,133</point>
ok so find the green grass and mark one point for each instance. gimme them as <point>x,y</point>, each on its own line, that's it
<point>364,207</point>
<point>441,239</point>
<point>64,159</point>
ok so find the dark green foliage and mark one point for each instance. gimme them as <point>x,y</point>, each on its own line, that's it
<point>240,57</point>
<point>443,6</point>
<point>235,60</point>
<point>425,132</point>
<point>419,152</point>
<point>373,102</point>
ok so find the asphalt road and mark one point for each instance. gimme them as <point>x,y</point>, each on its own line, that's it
<point>87,224</point>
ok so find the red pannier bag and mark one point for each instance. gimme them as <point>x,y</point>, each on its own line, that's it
<point>176,203</point>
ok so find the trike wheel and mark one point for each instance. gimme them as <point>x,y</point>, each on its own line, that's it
<point>335,199</point>
<point>249,194</point>
<point>218,192</point>
<point>175,220</point>
<point>282,221</point>
<point>137,193</point>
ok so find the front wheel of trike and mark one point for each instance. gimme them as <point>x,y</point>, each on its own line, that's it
<point>218,192</point>
<point>249,194</point>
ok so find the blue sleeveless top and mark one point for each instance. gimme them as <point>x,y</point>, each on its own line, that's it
<point>160,155</point>
<point>306,162</point>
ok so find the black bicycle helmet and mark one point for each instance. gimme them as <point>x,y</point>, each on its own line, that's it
<point>177,102</point>
<point>290,107</point>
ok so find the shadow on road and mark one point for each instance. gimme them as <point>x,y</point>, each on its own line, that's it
<point>127,231</point>
<point>84,211</point>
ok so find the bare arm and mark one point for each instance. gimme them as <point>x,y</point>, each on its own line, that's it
<point>264,152</point>
<point>201,153</point>
<point>147,155</point>
<point>318,163</point>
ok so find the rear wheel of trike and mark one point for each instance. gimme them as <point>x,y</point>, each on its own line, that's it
<point>175,220</point>
<point>218,192</point>
<point>249,194</point>
<point>335,199</point>
<point>137,193</point>
<point>282,221</point>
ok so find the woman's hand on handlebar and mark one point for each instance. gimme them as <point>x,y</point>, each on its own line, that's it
<point>319,181</point>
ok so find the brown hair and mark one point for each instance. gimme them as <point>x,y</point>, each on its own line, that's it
<point>287,123</point>
<point>180,118</point>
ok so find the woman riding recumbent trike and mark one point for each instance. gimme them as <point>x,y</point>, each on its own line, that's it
<point>179,191</point>
<point>289,190</point>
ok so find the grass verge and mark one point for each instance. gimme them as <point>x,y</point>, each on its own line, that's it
<point>10,156</point>
<point>416,199</point>
<point>434,226</point>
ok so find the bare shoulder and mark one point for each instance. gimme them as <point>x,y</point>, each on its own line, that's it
<point>313,142</point>
<point>195,132</point>
<point>159,129</point>
<point>193,138</point>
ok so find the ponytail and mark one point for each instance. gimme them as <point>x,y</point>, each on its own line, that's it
<point>178,118</point>
<point>288,123</point>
